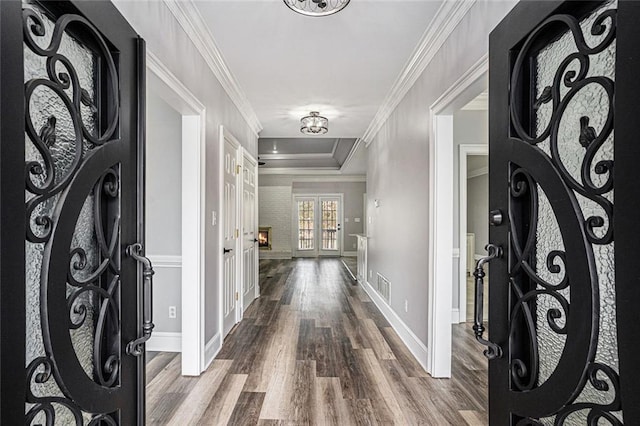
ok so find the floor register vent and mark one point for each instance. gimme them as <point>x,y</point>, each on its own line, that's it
<point>382,287</point>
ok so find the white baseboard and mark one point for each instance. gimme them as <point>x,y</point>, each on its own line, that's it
<point>165,342</point>
<point>275,254</point>
<point>455,316</point>
<point>349,254</point>
<point>415,345</point>
<point>211,349</point>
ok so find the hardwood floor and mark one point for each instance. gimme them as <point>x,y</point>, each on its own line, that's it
<point>314,349</point>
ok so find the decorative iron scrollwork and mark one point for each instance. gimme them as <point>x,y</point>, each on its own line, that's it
<point>79,285</point>
<point>565,276</point>
<point>41,178</point>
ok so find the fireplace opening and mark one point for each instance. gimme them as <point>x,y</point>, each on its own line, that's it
<point>264,238</point>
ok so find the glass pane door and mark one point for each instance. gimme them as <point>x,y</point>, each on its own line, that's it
<point>330,225</point>
<point>306,224</point>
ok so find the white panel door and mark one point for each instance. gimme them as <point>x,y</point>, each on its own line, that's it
<point>249,232</point>
<point>230,235</point>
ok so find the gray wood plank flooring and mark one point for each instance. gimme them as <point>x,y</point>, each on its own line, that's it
<point>314,350</point>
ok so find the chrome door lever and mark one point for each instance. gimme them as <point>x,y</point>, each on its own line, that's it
<point>493,351</point>
<point>136,347</point>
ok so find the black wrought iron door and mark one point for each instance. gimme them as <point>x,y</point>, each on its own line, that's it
<point>564,156</point>
<point>71,84</point>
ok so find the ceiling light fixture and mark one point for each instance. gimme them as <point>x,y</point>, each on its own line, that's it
<point>314,124</point>
<point>316,7</point>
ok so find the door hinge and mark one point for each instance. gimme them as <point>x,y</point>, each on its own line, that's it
<point>237,295</point>
<point>237,233</point>
<point>238,167</point>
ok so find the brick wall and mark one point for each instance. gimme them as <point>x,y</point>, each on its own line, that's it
<point>275,211</point>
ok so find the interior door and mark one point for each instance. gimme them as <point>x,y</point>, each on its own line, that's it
<point>330,229</point>
<point>230,237</point>
<point>564,293</point>
<point>72,78</point>
<point>249,231</point>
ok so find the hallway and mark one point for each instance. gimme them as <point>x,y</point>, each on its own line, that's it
<point>314,349</point>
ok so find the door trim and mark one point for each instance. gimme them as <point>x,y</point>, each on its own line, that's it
<point>225,135</point>
<point>465,150</point>
<point>193,182</point>
<point>469,85</point>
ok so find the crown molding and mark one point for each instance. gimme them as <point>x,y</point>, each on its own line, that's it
<point>299,171</point>
<point>352,153</point>
<point>301,156</point>
<point>477,172</point>
<point>191,21</point>
<point>444,22</point>
<point>299,178</point>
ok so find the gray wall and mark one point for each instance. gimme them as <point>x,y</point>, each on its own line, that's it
<point>398,175</point>
<point>275,203</point>
<point>169,42</point>
<point>477,208</point>
<point>164,207</point>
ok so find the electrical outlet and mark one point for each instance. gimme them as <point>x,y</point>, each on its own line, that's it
<point>356,220</point>
<point>406,305</point>
<point>370,219</point>
<point>172,312</point>
<point>214,219</point>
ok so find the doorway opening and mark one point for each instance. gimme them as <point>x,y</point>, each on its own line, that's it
<point>317,225</point>
<point>174,180</point>
<point>473,228</point>
<point>443,286</point>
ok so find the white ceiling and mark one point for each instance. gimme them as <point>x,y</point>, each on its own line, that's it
<point>341,65</point>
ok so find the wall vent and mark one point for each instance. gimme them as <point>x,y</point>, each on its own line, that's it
<point>382,287</point>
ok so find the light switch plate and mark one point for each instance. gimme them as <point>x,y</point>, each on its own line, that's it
<point>214,218</point>
<point>356,220</point>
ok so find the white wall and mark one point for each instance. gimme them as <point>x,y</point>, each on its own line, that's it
<point>477,211</point>
<point>164,208</point>
<point>274,210</point>
<point>169,42</point>
<point>397,172</point>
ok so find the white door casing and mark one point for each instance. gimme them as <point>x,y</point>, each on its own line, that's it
<point>249,230</point>
<point>230,232</point>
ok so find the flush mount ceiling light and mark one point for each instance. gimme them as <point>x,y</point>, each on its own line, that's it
<point>316,7</point>
<point>314,124</point>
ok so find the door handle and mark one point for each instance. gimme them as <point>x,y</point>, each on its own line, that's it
<point>226,250</point>
<point>136,347</point>
<point>493,351</point>
<point>255,240</point>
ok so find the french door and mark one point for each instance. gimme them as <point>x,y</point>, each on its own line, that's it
<point>71,216</point>
<point>564,152</point>
<point>318,225</point>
